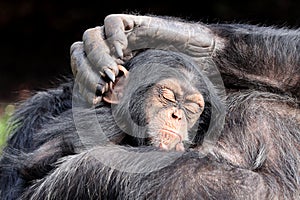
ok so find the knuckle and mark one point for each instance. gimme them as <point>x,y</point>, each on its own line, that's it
<point>111,16</point>
<point>90,33</point>
<point>86,33</point>
<point>75,46</point>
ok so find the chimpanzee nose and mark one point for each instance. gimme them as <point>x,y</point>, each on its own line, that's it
<point>177,115</point>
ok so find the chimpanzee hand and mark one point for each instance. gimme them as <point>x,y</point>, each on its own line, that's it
<point>106,47</point>
<point>91,85</point>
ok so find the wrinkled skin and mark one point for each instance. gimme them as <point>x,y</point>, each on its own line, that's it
<point>256,157</point>
<point>172,113</point>
<point>161,100</point>
<point>249,57</point>
<point>122,35</point>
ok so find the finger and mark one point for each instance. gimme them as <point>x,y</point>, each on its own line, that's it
<point>98,51</point>
<point>115,27</point>
<point>82,68</point>
<point>87,79</point>
<point>75,58</point>
<point>88,96</point>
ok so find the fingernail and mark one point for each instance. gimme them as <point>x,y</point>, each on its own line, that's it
<point>119,49</point>
<point>110,74</point>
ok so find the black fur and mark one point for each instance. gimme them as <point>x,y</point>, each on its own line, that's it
<point>256,157</point>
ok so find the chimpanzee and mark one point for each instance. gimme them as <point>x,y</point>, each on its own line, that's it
<point>163,100</point>
<point>255,157</point>
<point>170,110</point>
<point>247,56</point>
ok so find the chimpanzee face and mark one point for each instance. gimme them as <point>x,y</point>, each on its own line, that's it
<point>172,108</point>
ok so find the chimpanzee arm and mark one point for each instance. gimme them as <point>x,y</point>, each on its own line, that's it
<point>264,55</point>
<point>89,176</point>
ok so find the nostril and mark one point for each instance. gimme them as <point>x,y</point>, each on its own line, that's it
<point>174,116</point>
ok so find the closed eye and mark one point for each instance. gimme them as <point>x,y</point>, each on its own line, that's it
<point>193,107</point>
<point>168,94</point>
<point>197,99</point>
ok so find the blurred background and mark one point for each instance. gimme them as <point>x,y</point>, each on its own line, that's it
<point>36,35</point>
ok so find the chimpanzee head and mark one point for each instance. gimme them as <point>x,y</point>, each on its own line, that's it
<point>164,101</point>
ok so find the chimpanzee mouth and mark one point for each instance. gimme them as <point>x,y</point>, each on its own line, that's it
<point>169,136</point>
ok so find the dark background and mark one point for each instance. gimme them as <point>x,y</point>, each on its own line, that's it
<point>36,35</point>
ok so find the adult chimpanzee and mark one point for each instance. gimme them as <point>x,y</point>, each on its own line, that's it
<point>247,56</point>
<point>256,156</point>
<point>170,110</point>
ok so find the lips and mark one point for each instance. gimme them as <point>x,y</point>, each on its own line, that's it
<point>169,139</point>
<point>172,133</point>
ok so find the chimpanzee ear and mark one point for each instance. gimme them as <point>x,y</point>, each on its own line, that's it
<point>115,92</point>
